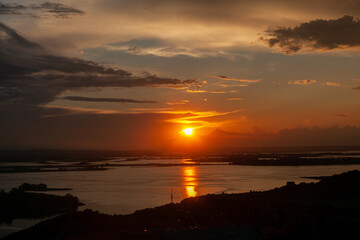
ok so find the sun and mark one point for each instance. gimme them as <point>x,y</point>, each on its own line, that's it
<point>188,131</point>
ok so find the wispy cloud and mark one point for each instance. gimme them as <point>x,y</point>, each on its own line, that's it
<point>195,119</point>
<point>218,92</point>
<point>165,51</point>
<point>237,79</point>
<point>115,100</point>
<point>40,10</point>
<point>332,84</point>
<point>150,110</point>
<point>66,111</point>
<point>302,82</point>
<point>235,99</point>
<point>198,119</point>
<point>196,91</point>
<point>181,102</point>
<point>341,115</point>
<point>11,9</point>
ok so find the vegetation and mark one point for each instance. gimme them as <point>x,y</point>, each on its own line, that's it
<point>21,204</point>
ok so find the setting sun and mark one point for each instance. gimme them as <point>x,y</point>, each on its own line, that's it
<point>188,131</point>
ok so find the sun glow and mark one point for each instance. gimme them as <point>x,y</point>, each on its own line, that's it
<point>188,131</point>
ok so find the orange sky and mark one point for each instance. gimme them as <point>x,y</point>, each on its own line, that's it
<point>121,74</point>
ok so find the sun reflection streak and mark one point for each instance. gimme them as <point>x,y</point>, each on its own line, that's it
<point>189,175</point>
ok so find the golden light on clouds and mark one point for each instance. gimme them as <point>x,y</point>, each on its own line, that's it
<point>234,99</point>
<point>332,84</point>
<point>196,119</point>
<point>237,79</point>
<point>196,91</point>
<point>302,82</point>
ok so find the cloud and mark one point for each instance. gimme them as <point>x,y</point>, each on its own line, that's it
<point>356,88</point>
<point>59,111</point>
<point>11,9</point>
<point>196,91</point>
<point>237,79</point>
<point>116,100</point>
<point>58,9</point>
<point>38,10</point>
<point>218,92</point>
<point>340,115</point>
<point>181,102</point>
<point>199,119</point>
<point>164,50</point>
<point>333,84</point>
<point>29,74</point>
<point>10,38</point>
<point>302,82</point>
<point>316,35</point>
<point>235,99</point>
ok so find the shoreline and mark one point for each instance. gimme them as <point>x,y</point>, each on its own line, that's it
<point>277,213</point>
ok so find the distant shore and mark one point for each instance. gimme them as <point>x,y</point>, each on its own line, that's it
<point>81,161</point>
<point>328,209</point>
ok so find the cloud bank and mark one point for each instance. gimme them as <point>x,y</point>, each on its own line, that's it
<point>31,75</point>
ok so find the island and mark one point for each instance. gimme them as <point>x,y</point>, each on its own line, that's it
<point>19,203</point>
<point>41,187</point>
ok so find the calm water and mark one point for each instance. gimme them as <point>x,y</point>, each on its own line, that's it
<point>123,190</point>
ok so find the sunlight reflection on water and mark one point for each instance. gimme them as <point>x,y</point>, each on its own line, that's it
<point>123,190</point>
<point>190,181</point>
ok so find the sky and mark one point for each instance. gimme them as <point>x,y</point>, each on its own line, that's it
<point>132,74</point>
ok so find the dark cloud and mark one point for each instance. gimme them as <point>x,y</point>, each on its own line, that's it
<point>37,10</point>
<point>340,115</point>
<point>356,88</point>
<point>316,35</point>
<point>11,9</point>
<point>11,38</point>
<point>117,100</point>
<point>29,74</point>
<point>60,10</point>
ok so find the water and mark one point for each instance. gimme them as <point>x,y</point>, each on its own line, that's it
<point>17,225</point>
<point>122,190</point>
